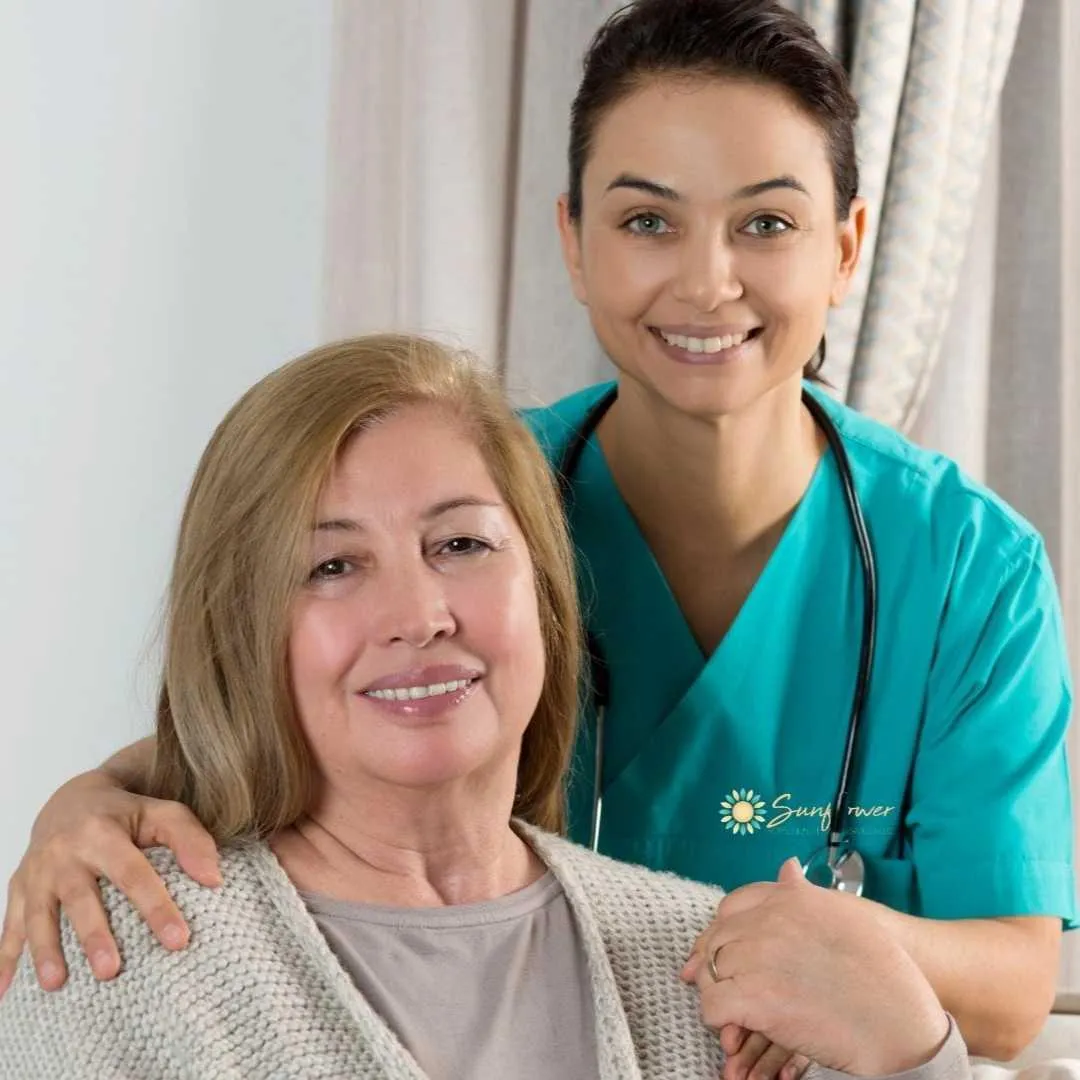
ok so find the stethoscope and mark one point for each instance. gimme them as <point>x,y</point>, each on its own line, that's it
<point>837,865</point>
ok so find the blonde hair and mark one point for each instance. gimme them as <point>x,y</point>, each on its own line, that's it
<point>228,741</point>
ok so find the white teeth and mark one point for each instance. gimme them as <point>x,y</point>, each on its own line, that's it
<point>704,345</point>
<point>412,693</point>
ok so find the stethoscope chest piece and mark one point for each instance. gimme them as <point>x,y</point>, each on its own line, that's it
<point>843,870</point>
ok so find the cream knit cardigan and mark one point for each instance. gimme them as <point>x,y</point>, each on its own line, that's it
<point>258,993</point>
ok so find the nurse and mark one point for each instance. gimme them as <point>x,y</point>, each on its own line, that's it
<point>711,221</point>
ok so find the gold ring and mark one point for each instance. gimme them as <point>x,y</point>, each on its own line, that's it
<point>712,963</point>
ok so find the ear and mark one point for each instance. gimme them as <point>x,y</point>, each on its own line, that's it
<point>850,238</point>
<point>570,238</point>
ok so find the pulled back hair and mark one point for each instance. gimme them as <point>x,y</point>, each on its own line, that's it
<point>753,40</point>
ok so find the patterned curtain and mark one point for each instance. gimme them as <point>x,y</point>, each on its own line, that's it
<point>484,142</point>
<point>928,77</point>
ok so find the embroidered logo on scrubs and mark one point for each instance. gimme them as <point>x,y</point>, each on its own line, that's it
<point>741,811</point>
<point>744,812</point>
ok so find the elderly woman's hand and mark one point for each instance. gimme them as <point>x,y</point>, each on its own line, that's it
<point>749,1055</point>
<point>92,827</point>
<point>812,970</point>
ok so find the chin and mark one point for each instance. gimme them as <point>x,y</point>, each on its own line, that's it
<point>707,398</point>
<point>712,393</point>
<point>436,764</point>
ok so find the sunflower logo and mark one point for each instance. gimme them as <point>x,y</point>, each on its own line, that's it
<point>741,811</point>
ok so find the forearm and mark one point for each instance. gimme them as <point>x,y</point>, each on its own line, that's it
<point>996,976</point>
<point>131,766</point>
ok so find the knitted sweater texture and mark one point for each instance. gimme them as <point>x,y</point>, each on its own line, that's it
<point>259,994</point>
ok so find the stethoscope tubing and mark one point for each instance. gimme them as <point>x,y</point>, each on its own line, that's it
<point>600,673</point>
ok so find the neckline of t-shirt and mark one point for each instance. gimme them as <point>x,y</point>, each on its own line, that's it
<point>514,905</point>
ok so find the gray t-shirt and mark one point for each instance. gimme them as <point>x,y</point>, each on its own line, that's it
<point>485,991</point>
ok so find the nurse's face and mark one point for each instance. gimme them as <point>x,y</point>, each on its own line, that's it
<point>708,250</point>
<point>415,652</point>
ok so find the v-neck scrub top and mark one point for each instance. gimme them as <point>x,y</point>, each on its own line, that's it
<point>720,767</point>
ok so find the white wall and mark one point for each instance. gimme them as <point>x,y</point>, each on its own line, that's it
<point>162,197</point>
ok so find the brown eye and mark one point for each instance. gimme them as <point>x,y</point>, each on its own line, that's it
<point>463,545</point>
<point>332,568</point>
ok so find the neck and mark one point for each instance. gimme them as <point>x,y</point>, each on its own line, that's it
<point>406,849</point>
<point>735,477</point>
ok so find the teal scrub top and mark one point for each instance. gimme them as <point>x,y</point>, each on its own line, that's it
<point>720,767</point>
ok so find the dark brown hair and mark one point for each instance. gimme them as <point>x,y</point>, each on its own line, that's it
<point>755,40</point>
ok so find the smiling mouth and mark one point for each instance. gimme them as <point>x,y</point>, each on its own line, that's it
<point>418,693</point>
<point>707,345</point>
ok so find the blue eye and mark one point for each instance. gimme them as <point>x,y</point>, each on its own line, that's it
<point>768,225</point>
<point>647,225</point>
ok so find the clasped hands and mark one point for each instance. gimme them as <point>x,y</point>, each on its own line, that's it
<point>791,973</point>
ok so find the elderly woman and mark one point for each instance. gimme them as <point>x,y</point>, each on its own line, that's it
<point>368,698</point>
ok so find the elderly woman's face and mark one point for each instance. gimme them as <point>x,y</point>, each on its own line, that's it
<point>415,651</point>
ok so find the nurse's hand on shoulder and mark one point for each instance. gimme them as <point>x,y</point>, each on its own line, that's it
<point>92,827</point>
<point>809,969</point>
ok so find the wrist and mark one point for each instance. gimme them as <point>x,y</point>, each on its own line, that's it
<point>920,1043</point>
<point>131,767</point>
<point>896,924</point>
<point>54,812</point>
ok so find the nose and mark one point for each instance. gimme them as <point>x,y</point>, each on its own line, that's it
<point>411,606</point>
<point>707,274</point>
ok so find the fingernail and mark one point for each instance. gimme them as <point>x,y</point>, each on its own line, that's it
<point>102,963</point>
<point>173,936</point>
<point>49,972</point>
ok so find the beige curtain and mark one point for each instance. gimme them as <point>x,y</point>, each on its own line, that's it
<point>551,350</point>
<point>1069,562</point>
<point>927,74</point>
<point>422,125</point>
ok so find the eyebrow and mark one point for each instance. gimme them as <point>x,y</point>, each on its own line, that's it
<point>662,191</point>
<point>432,512</point>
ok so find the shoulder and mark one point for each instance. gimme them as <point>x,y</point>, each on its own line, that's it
<point>210,913</point>
<point>553,426</point>
<point>89,1022</point>
<point>243,869</point>
<point>906,486</point>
